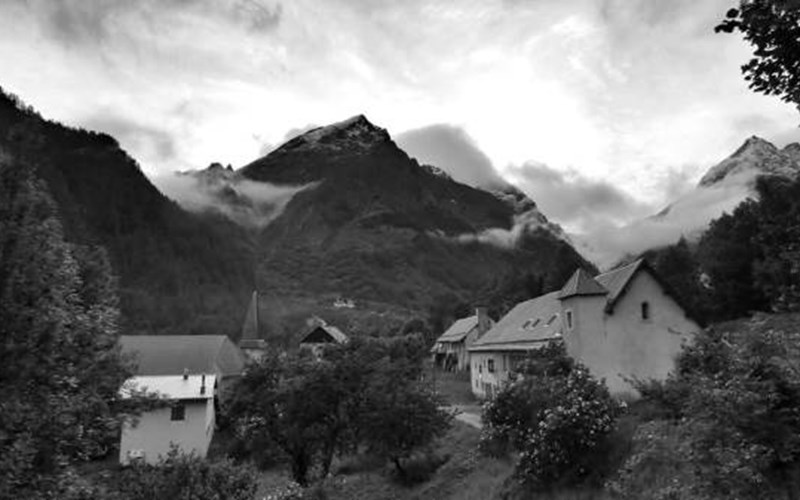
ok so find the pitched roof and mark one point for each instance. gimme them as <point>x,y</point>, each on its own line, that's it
<point>581,284</point>
<point>459,329</point>
<point>331,330</point>
<point>171,386</point>
<point>616,280</point>
<point>528,325</point>
<point>171,354</point>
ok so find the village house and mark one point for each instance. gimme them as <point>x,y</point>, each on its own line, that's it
<point>177,354</point>
<point>186,422</point>
<point>623,324</point>
<point>193,372</point>
<point>318,334</point>
<point>450,351</point>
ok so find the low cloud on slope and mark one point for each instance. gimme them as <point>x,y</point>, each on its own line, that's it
<point>248,203</point>
<point>604,221</point>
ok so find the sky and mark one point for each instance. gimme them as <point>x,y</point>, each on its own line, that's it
<point>602,110</point>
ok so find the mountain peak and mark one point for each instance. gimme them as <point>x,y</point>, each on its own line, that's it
<point>755,157</point>
<point>354,134</point>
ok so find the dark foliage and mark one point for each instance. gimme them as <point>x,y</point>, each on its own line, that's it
<point>748,260</point>
<point>179,477</point>
<point>178,272</point>
<point>364,393</point>
<point>60,368</point>
<point>732,406</point>
<point>772,27</point>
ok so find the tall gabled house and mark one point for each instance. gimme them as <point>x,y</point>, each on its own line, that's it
<point>450,351</point>
<point>623,324</point>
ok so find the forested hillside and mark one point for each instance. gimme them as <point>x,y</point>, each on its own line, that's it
<point>178,272</point>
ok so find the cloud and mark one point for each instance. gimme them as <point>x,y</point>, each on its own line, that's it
<point>248,203</point>
<point>450,148</point>
<point>151,141</point>
<point>573,200</point>
<point>688,216</point>
<point>78,22</point>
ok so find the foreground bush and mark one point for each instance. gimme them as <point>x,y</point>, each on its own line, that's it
<point>729,425</point>
<point>558,418</point>
<point>186,477</point>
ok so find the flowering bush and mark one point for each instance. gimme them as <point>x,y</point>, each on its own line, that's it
<point>558,420</point>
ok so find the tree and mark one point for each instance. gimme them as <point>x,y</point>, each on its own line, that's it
<point>399,417</point>
<point>309,409</point>
<point>773,28</point>
<point>60,369</point>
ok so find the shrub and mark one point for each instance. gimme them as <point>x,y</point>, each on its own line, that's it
<point>558,417</point>
<point>733,404</point>
<point>185,477</point>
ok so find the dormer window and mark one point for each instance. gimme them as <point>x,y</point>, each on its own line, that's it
<point>645,311</point>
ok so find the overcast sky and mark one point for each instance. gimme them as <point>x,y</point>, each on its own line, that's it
<point>597,108</point>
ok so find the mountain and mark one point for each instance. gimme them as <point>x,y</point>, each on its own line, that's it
<point>754,158</point>
<point>372,224</point>
<point>730,182</point>
<point>179,272</point>
<point>339,212</point>
<point>723,187</point>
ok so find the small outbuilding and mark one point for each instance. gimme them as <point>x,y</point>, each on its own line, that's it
<point>186,422</point>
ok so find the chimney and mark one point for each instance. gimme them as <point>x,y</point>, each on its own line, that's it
<point>202,384</point>
<point>484,323</point>
<point>185,374</point>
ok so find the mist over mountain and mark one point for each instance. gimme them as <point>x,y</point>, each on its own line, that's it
<point>337,211</point>
<point>723,187</point>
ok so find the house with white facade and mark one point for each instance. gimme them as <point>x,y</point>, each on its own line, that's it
<point>450,351</point>
<point>186,421</point>
<point>178,354</point>
<point>626,323</point>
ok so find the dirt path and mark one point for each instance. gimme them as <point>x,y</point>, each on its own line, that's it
<point>470,415</point>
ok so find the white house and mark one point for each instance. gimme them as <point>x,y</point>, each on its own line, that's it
<point>187,422</point>
<point>450,349</point>
<point>622,324</point>
<point>178,354</point>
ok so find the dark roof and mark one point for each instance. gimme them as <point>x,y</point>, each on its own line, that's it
<point>459,329</point>
<point>336,334</point>
<point>171,354</point>
<point>526,326</point>
<point>581,284</point>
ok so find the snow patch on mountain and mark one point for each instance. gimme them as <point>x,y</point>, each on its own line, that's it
<point>356,133</point>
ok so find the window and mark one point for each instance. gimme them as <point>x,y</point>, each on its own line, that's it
<point>178,412</point>
<point>552,318</point>
<point>490,366</point>
<point>645,311</point>
<point>569,320</point>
